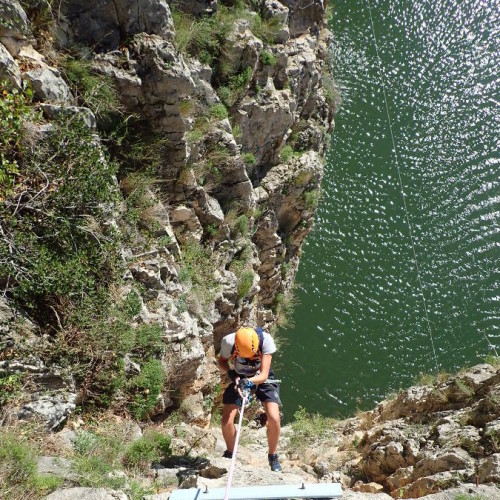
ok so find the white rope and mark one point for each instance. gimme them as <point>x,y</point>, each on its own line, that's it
<point>244,396</point>
<point>417,267</point>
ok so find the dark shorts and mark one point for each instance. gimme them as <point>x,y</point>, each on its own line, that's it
<point>265,393</point>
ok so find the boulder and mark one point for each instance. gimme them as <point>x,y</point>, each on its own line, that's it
<point>441,461</point>
<point>242,50</point>
<point>108,23</point>
<point>400,478</point>
<point>54,410</point>
<point>274,9</point>
<point>264,123</point>
<point>52,111</point>
<point>368,487</point>
<point>48,85</point>
<point>305,15</point>
<point>489,469</point>
<point>14,25</point>
<point>429,484</point>
<point>9,70</point>
<point>56,466</point>
<point>208,209</point>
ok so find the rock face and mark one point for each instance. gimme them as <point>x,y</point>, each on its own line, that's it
<point>426,440</point>
<point>239,168</point>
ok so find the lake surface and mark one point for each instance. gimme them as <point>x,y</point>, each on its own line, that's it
<point>360,328</point>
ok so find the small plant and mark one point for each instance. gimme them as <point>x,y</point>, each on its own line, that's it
<point>212,229</point>
<point>236,131</point>
<point>311,199</point>
<point>93,90</point>
<point>10,387</point>
<point>265,29</point>
<point>268,58</point>
<point>286,153</point>
<point>186,107</point>
<point>18,468</point>
<point>245,282</point>
<point>218,111</point>
<point>241,225</point>
<point>307,427</point>
<point>146,386</point>
<point>235,88</point>
<point>152,447</point>
<point>197,272</point>
<point>493,360</point>
<point>249,158</point>
<point>285,304</point>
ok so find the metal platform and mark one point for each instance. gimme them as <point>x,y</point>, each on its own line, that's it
<point>274,492</point>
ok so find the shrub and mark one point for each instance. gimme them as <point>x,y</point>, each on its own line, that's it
<point>15,112</point>
<point>307,427</point>
<point>198,271</point>
<point>218,111</point>
<point>265,29</point>
<point>245,282</point>
<point>311,199</point>
<point>268,58</point>
<point>284,306</point>
<point>203,37</point>
<point>147,386</point>
<point>18,469</point>
<point>286,153</point>
<point>249,158</point>
<point>235,88</point>
<point>152,447</point>
<point>93,90</point>
<point>241,225</point>
<point>55,239</point>
<point>10,387</point>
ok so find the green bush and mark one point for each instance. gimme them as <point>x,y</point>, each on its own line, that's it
<point>286,153</point>
<point>268,58</point>
<point>265,29</point>
<point>152,447</point>
<point>235,87</point>
<point>10,387</point>
<point>241,225</point>
<point>18,469</point>
<point>245,282</point>
<point>307,427</point>
<point>95,91</point>
<point>55,237</point>
<point>249,158</point>
<point>198,271</point>
<point>15,112</point>
<point>311,199</point>
<point>218,111</point>
<point>146,386</point>
<point>203,37</point>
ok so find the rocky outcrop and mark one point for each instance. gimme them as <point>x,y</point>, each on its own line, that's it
<point>238,176</point>
<point>426,440</point>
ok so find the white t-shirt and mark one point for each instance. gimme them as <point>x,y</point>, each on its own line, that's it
<point>244,366</point>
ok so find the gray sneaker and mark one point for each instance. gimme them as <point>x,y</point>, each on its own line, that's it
<point>274,463</point>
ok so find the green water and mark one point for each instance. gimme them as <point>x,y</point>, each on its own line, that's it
<point>360,329</point>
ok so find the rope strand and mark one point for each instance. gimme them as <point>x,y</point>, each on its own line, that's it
<point>417,267</point>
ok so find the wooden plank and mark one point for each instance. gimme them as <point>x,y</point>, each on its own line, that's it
<point>273,492</point>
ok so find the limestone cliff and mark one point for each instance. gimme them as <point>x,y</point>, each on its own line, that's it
<point>215,116</point>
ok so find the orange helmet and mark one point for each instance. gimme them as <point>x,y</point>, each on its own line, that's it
<point>246,343</point>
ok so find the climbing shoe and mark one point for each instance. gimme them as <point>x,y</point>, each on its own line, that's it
<point>274,463</point>
<point>227,454</point>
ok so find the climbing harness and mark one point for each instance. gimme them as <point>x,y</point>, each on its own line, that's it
<point>245,398</point>
<point>407,217</point>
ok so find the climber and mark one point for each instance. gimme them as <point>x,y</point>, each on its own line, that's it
<point>250,352</point>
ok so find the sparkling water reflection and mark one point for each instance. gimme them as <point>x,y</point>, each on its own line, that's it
<point>360,327</point>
